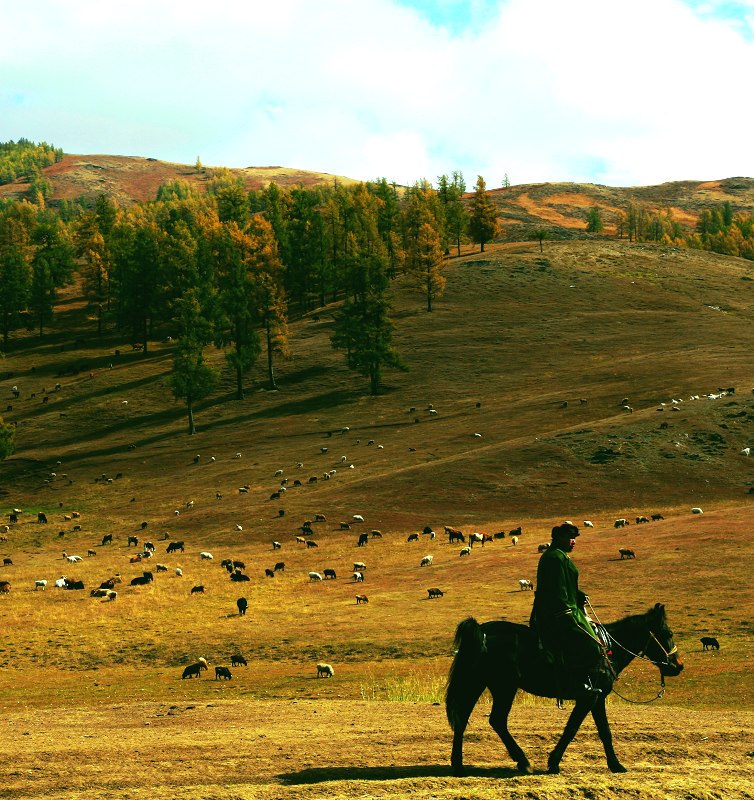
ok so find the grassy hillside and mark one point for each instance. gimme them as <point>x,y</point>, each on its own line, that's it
<point>519,334</point>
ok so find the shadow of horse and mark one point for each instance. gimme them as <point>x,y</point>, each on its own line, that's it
<point>392,773</point>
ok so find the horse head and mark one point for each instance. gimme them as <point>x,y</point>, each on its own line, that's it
<point>660,647</point>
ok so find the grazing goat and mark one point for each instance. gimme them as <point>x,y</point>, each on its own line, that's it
<point>311,543</point>
<point>40,585</point>
<point>242,603</point>
<point>280,566</point>
<point>222,672</point>
<point>5,587</point>
<point>325,671</point>
<point>413,537</point>
<point>359,566</point>
<point>363,539</point>
<point>174,547</point>
<point>426,561</point>
<point>656,517</point>
<point>268,573</point>
<point>626,553</point>
<point>620,523</point>
<point>237,660</point>
<point>320,518</point>
<point>709,642</point>
<point>358,577</point>
<point>434,593</point>
<point>361,598</point>
<point>197,589</point>
<point>525,584</point>
<point>107,539</point>
<point>276,545</point>
<point>330,574</point>
<point>465,551</point>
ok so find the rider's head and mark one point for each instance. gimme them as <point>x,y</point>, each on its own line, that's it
<point>564,536</point>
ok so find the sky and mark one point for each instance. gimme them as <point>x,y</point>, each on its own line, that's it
<point>615,92</point>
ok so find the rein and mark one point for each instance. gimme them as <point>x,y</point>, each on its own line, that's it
<point>612,640</point>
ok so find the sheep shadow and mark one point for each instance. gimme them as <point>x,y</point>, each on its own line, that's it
<point>322,774</point>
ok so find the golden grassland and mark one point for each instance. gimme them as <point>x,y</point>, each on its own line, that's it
<point>91,692</point>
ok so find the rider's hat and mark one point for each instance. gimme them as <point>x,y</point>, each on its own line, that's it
<point>565,531</point>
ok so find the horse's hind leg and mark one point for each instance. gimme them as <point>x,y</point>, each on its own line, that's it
<point>502,700</point>
<point>599,714</point>
<point>462,712</point>
<point>581,709</point>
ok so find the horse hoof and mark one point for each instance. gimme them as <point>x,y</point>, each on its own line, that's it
<point>617,767</point>
<point>525,768</point>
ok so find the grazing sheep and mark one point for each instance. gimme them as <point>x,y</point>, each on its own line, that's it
<point>359,566</point>
<point>314,576</point>
<point>280,566</point>
<point>697,510</point>
<point>107,539</point>
<point>363,539</point>
<point>330,574</point>
<point>311,543</point>
<point>268,573</point>
<point>746,451</point>
<point>542,547</point>
<point>413,537</point>
<point>358,577</point>
<point>222,672</point>
<point>7,562</point>
<point>465,551</point>
<point>709,642</point>
<point>626,553</point>
<point>178,572</point>
<point>434,593</point>
<point>588,523</point>
<point>162,568</point>
<point>237,660</point>
<point>641,520</point>
<point>320,518</point>
<point>514,540</point>
<point>325,671</point>
<point>375,534</point>
<point>276,545</point>
<point>656,517</point>
<point>197,590</point>
<point>111,595</point>
<point>174,547</point>
<point>91,552</point>
<point>620,523</point>
<point>206,556</point>
<point>242,603</point>
<point>525,584</point>
<point>357,518</point>
<point>345,526</point>
<point>40,585</point>
<point>426,561</point>
<point>300,540</point>
<point>361,598</point>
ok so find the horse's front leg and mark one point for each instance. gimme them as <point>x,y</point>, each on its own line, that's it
<point>581,709</point>
<point>599,713</point>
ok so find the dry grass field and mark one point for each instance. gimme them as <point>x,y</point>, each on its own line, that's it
<point>91,691</point>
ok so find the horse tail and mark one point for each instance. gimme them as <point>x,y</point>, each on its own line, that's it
<point>466,679</point>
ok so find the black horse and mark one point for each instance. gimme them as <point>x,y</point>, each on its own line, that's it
<point>504,657</point>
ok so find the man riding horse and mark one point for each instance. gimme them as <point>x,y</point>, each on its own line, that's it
<point>560,621</point>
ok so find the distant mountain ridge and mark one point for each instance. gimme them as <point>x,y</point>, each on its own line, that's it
<point>559,207</point>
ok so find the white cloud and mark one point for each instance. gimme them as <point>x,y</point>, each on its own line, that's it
<point>629,91</point>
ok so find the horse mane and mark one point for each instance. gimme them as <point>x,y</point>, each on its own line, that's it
<point>655,618</point>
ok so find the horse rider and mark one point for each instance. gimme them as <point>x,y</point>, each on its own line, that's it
<point>560,621</point>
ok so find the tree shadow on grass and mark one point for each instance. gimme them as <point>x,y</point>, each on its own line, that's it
<point>391,773</point>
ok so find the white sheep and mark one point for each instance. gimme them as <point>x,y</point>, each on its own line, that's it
<point>325,671</point>
<point>178,572</point>
<point>206,556</point>
<point>588,523</point>
<point>357,518</point>
<point>239,528</point>
<point>278,473</point>
<point>237,455</point>
<point>40,585</point>
<point>465,551</point>
<point>746,451</point>
<point>358,576</point>
<point>315,576</point>
<point>697,510</point>
<point>514,540</point>
<point>426,561</point>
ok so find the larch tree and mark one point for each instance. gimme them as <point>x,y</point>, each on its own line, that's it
<point>483,215</point>
<point>594,222</point>
<point>192,379</point>
<point>17,223</point>
<point>236,298</point>
<point>428,262</point>
<point>7,440</point>
<point>91,248</point>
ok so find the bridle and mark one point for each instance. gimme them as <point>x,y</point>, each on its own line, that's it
<point>641,654</point>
